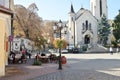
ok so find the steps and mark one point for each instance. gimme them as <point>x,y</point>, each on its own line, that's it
<point>97,49</point>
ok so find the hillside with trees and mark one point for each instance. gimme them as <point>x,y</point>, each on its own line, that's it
<point>28,24</point>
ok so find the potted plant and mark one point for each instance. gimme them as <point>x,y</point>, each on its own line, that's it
<point>37,62</point>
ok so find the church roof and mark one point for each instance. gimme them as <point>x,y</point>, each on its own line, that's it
<point>81,12</point>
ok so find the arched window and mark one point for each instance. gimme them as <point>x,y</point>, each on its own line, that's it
<point>5,3</point>
<point>86,25</point>
<point>89,26</point>
<point>100,7</point>
<point>2,2</point>
<point>83,26</point>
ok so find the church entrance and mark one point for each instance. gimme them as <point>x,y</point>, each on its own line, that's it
<point>87,39</point>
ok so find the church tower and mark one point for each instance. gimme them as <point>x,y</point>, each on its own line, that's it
<point>11,5</point>
<point>98,8</point>
<point>71,24</point>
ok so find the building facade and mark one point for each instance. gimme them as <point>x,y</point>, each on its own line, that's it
<point>83,25</point>
<point>6,15</point>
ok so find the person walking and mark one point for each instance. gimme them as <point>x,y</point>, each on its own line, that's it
<point>117,50</point>
<point>111,50</point>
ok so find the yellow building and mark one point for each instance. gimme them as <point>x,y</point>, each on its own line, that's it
<point>6,16</point>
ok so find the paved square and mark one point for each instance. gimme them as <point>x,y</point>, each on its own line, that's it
<point>87,67</point>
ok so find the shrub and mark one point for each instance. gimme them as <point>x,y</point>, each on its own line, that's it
<point>114,43</point>
<point>84,48</point>
<point>36,62</point>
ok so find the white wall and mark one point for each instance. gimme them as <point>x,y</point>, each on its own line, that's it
<point>86,16</point>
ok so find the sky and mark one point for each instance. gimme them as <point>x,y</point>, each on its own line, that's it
<point>59,9</point>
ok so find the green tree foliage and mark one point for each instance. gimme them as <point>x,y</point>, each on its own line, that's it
<point>103,30</point>
<point>40,42</point>
<point>116,28</point>
<point>60,43</point>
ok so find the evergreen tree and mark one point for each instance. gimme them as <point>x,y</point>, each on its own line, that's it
<point>116,28</point>
<point>103,30</point>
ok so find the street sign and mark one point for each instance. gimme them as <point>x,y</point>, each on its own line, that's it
<point>11,38</point>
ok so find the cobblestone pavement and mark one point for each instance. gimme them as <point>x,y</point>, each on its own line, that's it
<point>28,71</point>
<point>77,75</point>
<point>78,67</point>
<point>87,67</point>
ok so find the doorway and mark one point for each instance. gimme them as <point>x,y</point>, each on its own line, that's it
<point>87,39</point>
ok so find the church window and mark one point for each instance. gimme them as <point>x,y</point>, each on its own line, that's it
<point>89,26</point>
<point>86,25</point>
<point>100,7</point>
<point>72,37</point>
<point>83,26</point>
<point>4,3</point>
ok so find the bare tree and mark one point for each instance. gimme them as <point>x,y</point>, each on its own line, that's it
<point>27,19</point>
<point>48,28</point>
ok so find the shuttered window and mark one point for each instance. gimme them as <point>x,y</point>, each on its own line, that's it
<point>4,3</point>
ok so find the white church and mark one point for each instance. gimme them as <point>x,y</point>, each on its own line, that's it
<point>83,25</point>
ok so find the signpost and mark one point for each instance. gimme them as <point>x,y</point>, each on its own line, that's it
<point>11,39</point>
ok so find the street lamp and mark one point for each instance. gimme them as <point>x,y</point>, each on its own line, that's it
<point>57,29</point>
<point>39,44</point>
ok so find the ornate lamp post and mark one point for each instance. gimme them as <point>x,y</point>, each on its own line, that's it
<point>57,29</point>
<point>38,43</point>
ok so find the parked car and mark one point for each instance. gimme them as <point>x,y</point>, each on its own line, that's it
<point>75,50</point>
<point>70,48</point>
<point>64,51</point>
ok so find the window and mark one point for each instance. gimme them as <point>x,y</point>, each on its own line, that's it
<point>4,3</point>
<point>89,26</point>
<point>100,7</point>
<point>83,26</point>
<point>86,25</point>
<point>72,37</point>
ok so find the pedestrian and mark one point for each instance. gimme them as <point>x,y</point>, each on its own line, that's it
<point>23,51</point>
<point>29,54</point>
<point>117,50</point>
<point>111,50</point>
<point>37,57</point>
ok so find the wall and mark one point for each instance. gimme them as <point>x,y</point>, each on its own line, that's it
<point>5,31</point>
<point>86,16</point>
<point>2,47</point>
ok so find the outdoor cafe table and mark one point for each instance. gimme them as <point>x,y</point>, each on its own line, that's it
<point>44,59</point>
